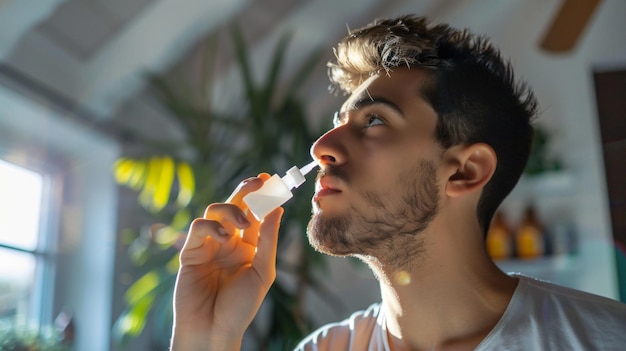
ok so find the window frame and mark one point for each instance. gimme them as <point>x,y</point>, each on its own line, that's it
<point>41,304</point>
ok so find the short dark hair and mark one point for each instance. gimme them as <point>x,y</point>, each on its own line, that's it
<point>472,89</point>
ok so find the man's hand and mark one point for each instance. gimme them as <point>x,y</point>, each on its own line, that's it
<point>228,264</point>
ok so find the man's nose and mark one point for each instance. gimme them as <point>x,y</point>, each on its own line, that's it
<point>330,148</point>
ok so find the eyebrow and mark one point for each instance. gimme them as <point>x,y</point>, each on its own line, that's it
<point>368,100</point>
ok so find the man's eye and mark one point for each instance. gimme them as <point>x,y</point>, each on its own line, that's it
<point>374,120</point>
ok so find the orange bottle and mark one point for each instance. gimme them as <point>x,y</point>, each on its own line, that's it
<point>499,238</point>
<point>530,236</point>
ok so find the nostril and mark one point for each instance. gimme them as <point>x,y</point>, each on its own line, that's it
<point>328,159</point>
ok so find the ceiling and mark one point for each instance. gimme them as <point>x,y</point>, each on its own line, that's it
<point>92,54</point>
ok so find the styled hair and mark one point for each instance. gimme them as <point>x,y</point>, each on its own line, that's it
<point>471,88</point>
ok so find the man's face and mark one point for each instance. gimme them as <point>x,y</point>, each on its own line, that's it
<point>378,187</point>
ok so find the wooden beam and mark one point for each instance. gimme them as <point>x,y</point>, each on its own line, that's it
<point>568,25</point>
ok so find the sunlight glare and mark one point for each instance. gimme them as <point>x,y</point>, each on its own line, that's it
<point>20,206</point>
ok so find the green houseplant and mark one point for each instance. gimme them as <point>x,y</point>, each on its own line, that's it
<point>46,338</point>
<point>175,182</point>
<point>540,160</point>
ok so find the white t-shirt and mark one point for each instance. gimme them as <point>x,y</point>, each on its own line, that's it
<point>540,316</point>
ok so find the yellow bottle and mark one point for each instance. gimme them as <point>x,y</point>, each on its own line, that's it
<point>499,240</point>
<point>530,236</point>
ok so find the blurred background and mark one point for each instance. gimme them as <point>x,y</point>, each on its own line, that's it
<point>121,119</point>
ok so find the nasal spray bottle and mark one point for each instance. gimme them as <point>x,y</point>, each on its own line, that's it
<point>276,190</point>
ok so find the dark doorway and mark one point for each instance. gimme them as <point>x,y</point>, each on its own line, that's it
<point>611,103</point>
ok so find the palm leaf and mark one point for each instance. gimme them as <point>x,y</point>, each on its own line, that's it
<point>241,53</point>
<point>274,72</point>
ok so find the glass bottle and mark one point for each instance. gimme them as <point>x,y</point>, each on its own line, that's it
<point>530,236</point>
<point>499,238</point>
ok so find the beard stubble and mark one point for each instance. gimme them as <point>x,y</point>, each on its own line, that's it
<point>390,229</point>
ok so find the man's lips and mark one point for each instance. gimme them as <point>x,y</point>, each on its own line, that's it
<point>326,186</point>
<point>325,192</point>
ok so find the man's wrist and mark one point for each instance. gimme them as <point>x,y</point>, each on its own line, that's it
<point>182,341</point>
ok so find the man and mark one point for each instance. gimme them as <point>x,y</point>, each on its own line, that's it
<point>434,135</point>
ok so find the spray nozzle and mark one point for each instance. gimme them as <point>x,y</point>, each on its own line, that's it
<point>294,177</point>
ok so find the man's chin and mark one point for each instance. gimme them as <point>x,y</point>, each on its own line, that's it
<point>327,234</point>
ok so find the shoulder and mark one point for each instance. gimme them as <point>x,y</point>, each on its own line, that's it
<point>344,335</point>
<point>546,316</point>
<point>538,290</point>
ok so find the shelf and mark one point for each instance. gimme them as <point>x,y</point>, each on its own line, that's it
<point>559,183</point>
<point>551,193</point>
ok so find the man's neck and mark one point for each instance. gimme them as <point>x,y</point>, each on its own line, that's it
<point>448,299</point>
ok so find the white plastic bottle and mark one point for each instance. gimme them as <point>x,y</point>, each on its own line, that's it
<point>276,190</point>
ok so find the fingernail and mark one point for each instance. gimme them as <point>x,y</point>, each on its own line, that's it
<point>242,219</point>
<point>221,231</point>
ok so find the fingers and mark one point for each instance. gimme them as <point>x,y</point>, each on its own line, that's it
<point>247,186</point>
<point>219,223</point>
<point>201,229</point>
<point>250,235</point>
<point>232,214</point>
<point>265,260</point>
<point>193,251</point>
<point>223,220</point>
<point>227,213</point>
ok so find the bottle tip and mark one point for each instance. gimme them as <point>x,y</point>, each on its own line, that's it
<point>308,168</point>
<point>294,178</point>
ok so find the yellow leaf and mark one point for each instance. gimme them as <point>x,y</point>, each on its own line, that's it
<point>142,287</point>
<point>164,185</point>
<point>152,178</point>
<point>134,321</point>
<point>123,168</point>
<point>138,175</point>
<point>187,184</point>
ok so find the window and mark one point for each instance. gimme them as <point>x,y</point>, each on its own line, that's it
<point>26,245</point>
<point>72,266</point>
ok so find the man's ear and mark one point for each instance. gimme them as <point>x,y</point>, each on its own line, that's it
<point>472,167</point>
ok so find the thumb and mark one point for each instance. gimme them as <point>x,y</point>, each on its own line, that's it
<point>265,259</point>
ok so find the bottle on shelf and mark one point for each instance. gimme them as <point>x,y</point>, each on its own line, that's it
<point>529,239</point>
<point>499,238</point>
<point>562,238</point>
